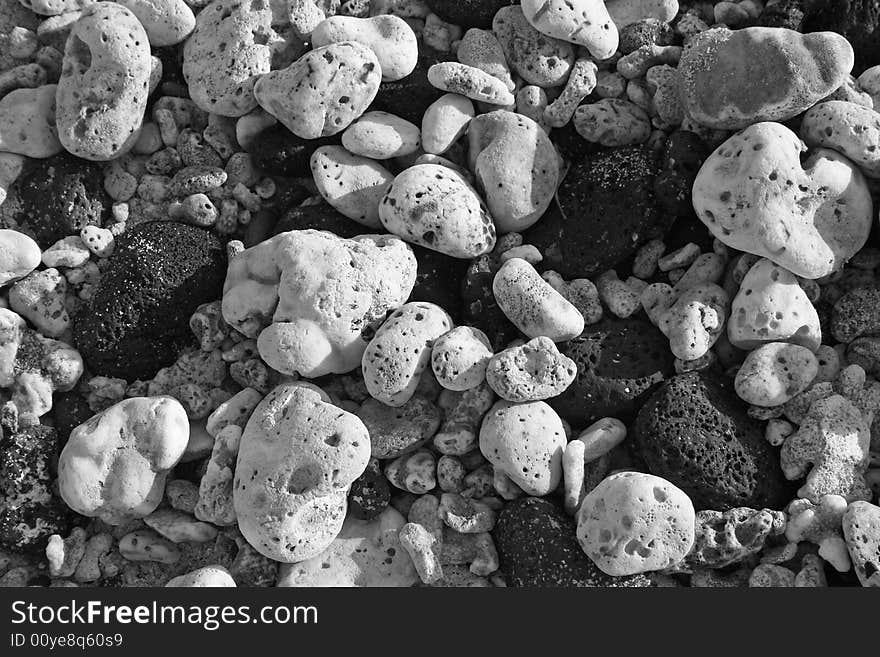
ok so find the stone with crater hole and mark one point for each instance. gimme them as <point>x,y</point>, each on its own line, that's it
<point>297,459</point>
<point>634,523</point>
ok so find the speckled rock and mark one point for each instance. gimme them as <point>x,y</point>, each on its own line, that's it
<point>618,363</point>
<point>532,305</point>
<point>459,358</point>
<point>525,442</point>
<point>694,432</point>
<point>539,59</point>
<point>388,36</point>
<point>400,351</point>
<point>321,93</point>
<point>99,112</point>
<point>435,207</point>
<point>515,165</point>
<point>319,324</point>
<point>849,129</point>
<point>317,450</point>
<point>861,529</point>
<point>584,22</point>
<point>634,523</point>
<point>731,79</point>
<point>755,194</point>
<point>771,306</point>
<point>138,318</point>
<point>365,553</point>
<point>396,431</point>
<point>115,464</point>
<point>531,372</point>
<point>29,512</point>
<point>226,54</point>
<point>537,547</point>
<point>60,196</point>
<point>774,373</point>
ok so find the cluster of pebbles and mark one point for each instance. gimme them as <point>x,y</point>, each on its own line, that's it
<point>439,292</point>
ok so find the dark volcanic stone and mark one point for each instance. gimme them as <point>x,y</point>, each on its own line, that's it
<point>608,209</point>
<point>138,319</point>
<point>480,308</point>
<point>649,31</point>
<point>537,546</point>
<point>695,432</point>
<point>438,280</point>
<point>410,97</point>
<point>683,155</point>
<point>619,362</point>
<point>60,196</point>
<point>786,13</point>
<point>468,13</point>
<point>69,409</point>
<point>279,152</point>
<point>856,314</point>
<point>322,216</point>
<point>857,20</point>
<point>28,512</point>
<point>369,494</point>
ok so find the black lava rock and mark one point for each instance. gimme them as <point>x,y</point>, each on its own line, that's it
<point>683,155</point>
<point>479,306</point>
<point>468,13</point>
<point>60,196</point>
<point>857,20</point>
<point>138,319</point>
<point>647,32</point>
<point>69,409</point>
<point>322,216</point>
<point>786,13</point>
<point>619,362</point>
<point>572,146</point>
<point>537,546</point>
<point>695,432</point>
<point>438,280</point>
<point>410,97</point>
<point>607,209</point>
<point>279,152</point>
<point>369,494</point>
<point>29,514</point>
<point>856,314</point>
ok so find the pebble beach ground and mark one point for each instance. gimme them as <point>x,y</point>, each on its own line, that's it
<point>562,293</point>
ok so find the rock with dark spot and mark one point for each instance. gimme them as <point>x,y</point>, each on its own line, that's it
<point>138,319</point>
<point>279,152</point>
<point>468,13</point>
<point>369,494</point>
<point>479,306</point>
<point>607,208</point>
<point>619,362</point>
<point>695,432</point>
<point>537,546</point>
<point>29,514</point>
<point>60,196</point>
